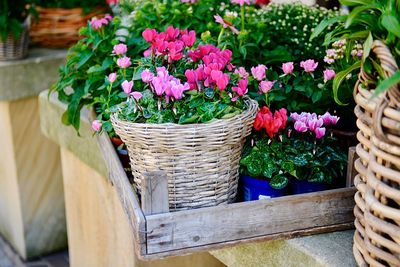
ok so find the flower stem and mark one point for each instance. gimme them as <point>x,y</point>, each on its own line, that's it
<point>221,34</point>
<point>242,16</point>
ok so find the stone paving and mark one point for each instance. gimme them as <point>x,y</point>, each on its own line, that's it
<point>9,258</point>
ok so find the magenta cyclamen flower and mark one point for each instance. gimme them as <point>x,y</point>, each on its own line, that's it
<point>259,72</point>
<point>127,87</point>
<point>300,127</point>
<point>96,125</point>
<point>242,73</point>
<point>314,123</point>
<point>287,67</point>
<point>241,2</point>
<point>147,76</point>
<point>124,62</point>
<point>329,74</point>
<point>241,89</point>
<point>329,119</point>
<point>266,86</point>
<point>120,49</point>
<point>309,65</point>
<point>320,132</point>
<point>149,35</point>
<point>112,77</point>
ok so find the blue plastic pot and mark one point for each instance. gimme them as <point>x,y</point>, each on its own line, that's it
<point>304,186</point>
<point>255,189</point>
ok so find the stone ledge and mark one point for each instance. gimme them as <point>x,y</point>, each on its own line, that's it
<point>324,250</point>
<point>85,146</point>
<point>28,77</point>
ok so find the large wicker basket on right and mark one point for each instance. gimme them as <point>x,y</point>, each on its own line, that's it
<point>377,211</point>
<point>201,161</point>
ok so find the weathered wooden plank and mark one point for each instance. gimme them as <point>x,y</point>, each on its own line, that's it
<point>351,170</point>
<point>240,221</point>
<point>228,244</point>
<point>155,193</point>
<point>125,191</point>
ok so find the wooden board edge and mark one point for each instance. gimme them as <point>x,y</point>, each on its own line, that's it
<point>128,198</point>
<point>258,239</point>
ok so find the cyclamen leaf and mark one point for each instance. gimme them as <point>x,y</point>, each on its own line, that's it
<point>279,181</point>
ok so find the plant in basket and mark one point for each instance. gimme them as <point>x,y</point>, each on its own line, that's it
<point>14,27</point>
<point>185,114</point>
<point>58,21</point>
<point>298,152</point>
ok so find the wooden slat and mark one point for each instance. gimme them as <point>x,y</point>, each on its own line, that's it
<point>128,198</point>
<point>351,170</point>
<point>248,220</point>
<point>155,193</point>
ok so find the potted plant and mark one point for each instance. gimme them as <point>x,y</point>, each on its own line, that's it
<point>14,27</point>
<point>58,22</point>
<point>185,114</point>
<point>265,170</point>
<point>300,155</point>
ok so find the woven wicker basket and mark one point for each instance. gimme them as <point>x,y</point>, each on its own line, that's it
<point>200,160</point>
<point>59,27</point>
<point>12,48</point>
<point>377,211</point>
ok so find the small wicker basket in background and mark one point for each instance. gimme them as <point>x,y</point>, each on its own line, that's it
<point>201,161</point>
<point>59,27</point>
<point>12,49</point>
<point>377,211</point>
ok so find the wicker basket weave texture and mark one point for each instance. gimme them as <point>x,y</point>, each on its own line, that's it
<point>12,48</point>
<point>201,160</point>
<point>377,211</point>
<point>59,27</point>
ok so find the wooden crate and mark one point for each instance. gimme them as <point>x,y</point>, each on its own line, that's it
<point>158,233</point>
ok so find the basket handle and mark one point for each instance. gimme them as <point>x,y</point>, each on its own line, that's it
<point>390,97</point>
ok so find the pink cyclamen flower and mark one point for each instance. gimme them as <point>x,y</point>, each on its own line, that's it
<point>112,77</point>
<point>329,74</point>
<point>266,86</point>
<point>147,76</point>
<point>241,89</point>
<point>96,23</point>
<point>108,17</point>
<point>241,2</point>
<point>149,35</point>
<point>225,24</point>
<point>259,72</point>
<point>314,123</point>
<point>136,95</point>
<point>242,73</point>
<point>287,67</point>
<point>300,127</point>
<point>189,39</point>
<point>309,65</point>
<point>96,125</point>
<point>124,62</point>
<point>334,120</point>
<point>120,49</point>
<point>320,132</point>
<point>127,86</point>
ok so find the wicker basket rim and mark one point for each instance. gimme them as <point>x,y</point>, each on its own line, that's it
<point>250,103</point>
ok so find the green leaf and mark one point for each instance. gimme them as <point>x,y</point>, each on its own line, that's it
<point>316,96</point>
<point>355,2</point>
<point>279,181</point>
<point>340,77</point>
<point>387,83</point>
<point>367,46</point>
<point>324,24</point>
<point>354,13</point>
<point>209,92</point>
<point>85,56</point>
<point>391,23</point>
